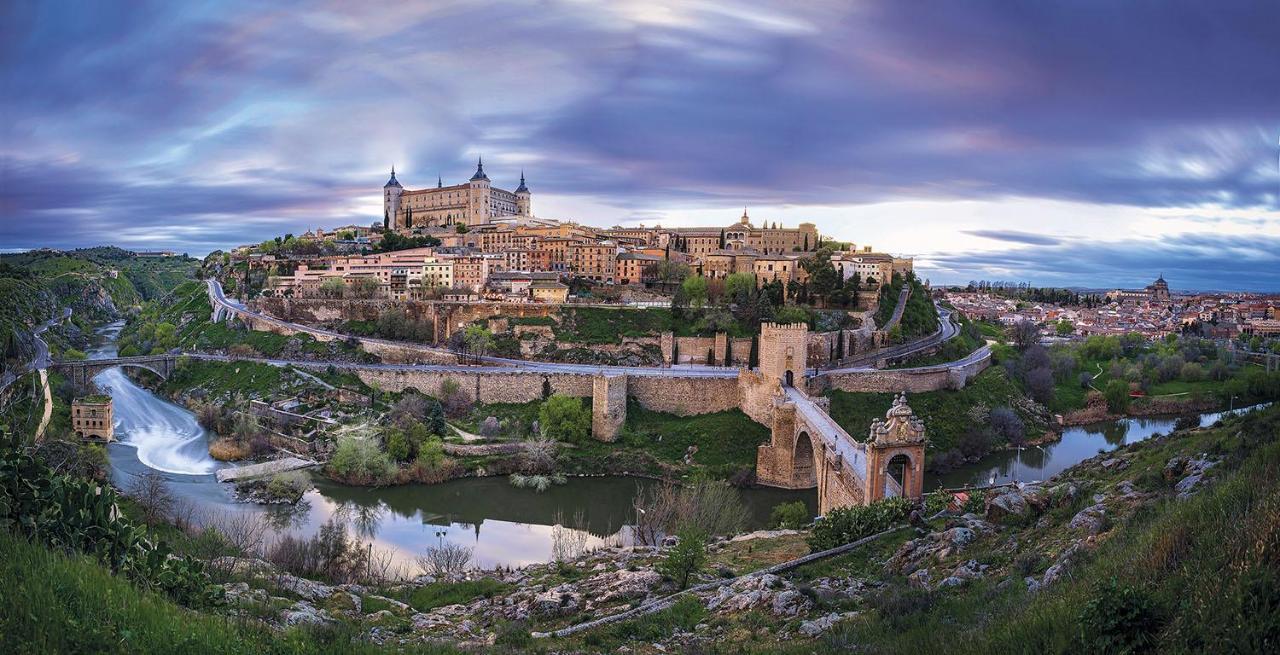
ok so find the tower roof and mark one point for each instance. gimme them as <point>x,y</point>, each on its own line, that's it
<point>392,182</point>
<point>522,187</point>
<point>479,171</point>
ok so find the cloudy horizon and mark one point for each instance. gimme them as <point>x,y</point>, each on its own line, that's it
<point>1092,144</point>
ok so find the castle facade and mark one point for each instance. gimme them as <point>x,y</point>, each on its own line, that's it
<point>473,202</point>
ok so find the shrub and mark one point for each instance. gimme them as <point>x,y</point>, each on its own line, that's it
<point>686,558</point>
<point>1118,619</point>
<point>397,445</point>
<point>153,497</point>
<point>565,418</point>
<point>228,450</point>
<point>848,524</point>
<point>288,486</point>
<point>1117,395</point>
<point>898,604</point>
<point>1007,425</point>
<point>444,559</point>
<point>358,460</point>
<point>791,516</point>
<point>329,555</point>
<point>715,508</point>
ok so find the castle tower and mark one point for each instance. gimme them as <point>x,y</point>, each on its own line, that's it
<point>895,454</point>
<point>784,352</point>
<point>523,198</point>
<point>391,200</point>
<point>478,196</point>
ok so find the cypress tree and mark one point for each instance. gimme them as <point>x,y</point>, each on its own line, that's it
<point>753,357</point>
<point>675,351</point>
<point>839,345</point>
<point>806,243</point>
<point>728,352</point>
<point>711,356</point>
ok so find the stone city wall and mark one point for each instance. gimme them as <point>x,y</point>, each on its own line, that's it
<point>682,396</point>
<point>934,378</point>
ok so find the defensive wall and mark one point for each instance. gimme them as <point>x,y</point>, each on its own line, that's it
<point>913,380</point>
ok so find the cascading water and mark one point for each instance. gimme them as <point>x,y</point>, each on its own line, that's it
<point>166,437</point>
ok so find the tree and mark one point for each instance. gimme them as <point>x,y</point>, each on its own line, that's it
<point>1064,328</point>
<point>753,358</point>
<point>1117,395</point>
<point>333,287</point>
<point>478,339</point>
<point>565,418</point>
<point>695,291</point>
<point>363,287</point>
<point>1025,334</point>
<point>686,558</point>
<point>739,285</point>
<point>1007,425</point>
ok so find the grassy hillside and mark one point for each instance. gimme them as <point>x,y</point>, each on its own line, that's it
<point>919,317</point>
<point>949,416</point>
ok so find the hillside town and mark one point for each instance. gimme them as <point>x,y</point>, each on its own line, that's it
<point>1153,312</point>
<point>468,242</point>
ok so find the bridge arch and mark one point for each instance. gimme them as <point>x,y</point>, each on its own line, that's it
<point>898,472</point>
<point>804,469</point>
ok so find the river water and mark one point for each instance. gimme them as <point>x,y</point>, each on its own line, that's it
<point>504,525</point>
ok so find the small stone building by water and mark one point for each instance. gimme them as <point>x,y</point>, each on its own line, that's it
<point>91,417</point>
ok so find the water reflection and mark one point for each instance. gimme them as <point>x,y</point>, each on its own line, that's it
<point>1077,444</point>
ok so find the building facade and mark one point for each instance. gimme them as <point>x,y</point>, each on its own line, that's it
<point>473,202</point>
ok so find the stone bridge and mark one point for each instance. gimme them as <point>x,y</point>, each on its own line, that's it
<point>807,448</point>
<point>82,372</point>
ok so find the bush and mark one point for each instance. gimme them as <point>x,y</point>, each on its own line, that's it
<point>1117,395</point>
<point>848,524</point>
<point>445,559</point>
<point>357,460</point>
<point>792,516</point>
<point>1007,425</point>
<point>899,604</point>
<point>1118,619</point>
<point>686,558</point>
<point>565,418</point>
<point>288,487</point>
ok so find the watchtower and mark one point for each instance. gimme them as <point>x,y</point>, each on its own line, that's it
<point>784,352</point>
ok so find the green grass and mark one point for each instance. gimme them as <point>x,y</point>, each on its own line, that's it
<point>945,413</point>
<point>439,594</point>
<point>223,379</point>
<point>684,615</point>
<point>726,441</point>
<point>599,325</point>
<point>58,604</point>
<point>1207,566</point>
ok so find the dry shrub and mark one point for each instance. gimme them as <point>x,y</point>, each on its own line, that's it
<point>445,559</point>
<point>715,508</point>
<point>152,494</point>
<point>569,539</point>
<point>241,350</point>
<point>227,449</point>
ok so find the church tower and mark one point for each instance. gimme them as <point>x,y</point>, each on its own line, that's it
<point>523,198</point>
<point>478,206</point>
<point>391,200</point>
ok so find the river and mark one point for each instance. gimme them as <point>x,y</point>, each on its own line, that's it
<point>504,525</point>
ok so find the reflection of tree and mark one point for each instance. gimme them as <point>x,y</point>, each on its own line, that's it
<point>364,518</point>
<point>288,517</point>
<point>1115,433</point>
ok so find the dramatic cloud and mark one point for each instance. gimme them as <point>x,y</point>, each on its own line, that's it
<point>204,126</point>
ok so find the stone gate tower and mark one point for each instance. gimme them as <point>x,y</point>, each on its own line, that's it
<point>897,441</point>
<point>784,352</point>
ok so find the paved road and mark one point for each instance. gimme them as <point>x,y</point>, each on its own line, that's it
<point>41,360</point>
<point>947,330</point>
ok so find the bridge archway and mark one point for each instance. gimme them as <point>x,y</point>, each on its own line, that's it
<point>804,463</point>
<point>789,379</point>
<point>897,475</point>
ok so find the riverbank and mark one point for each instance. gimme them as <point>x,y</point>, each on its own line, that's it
<point>1034,561</point>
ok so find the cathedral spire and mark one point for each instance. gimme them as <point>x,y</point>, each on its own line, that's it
<point>479,170</point>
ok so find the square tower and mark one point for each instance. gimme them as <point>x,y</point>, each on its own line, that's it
<point>784,352</point>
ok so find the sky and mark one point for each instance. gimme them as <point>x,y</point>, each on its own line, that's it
<point>1087,143</point>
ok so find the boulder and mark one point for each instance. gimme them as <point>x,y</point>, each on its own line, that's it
<point>307,589</point>
<point>789,603</point>
<point>919,579</point>
<point>304,613</point>
<point>1007,505</point>
<point>1186,486</point>
<point>1091,519</point>
<point>823,623</point>
<point>557,601</point>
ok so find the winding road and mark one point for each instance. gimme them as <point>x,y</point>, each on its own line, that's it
<point>947,330</point>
